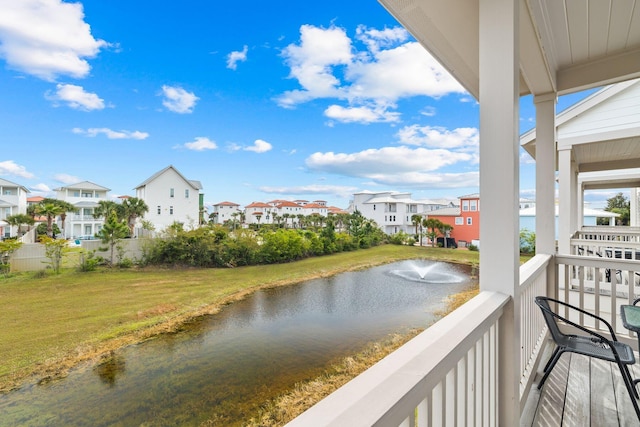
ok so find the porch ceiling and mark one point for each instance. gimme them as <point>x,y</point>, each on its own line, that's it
<point>565,46</point>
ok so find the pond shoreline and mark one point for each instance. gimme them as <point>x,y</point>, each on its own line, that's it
<point>57,368</point>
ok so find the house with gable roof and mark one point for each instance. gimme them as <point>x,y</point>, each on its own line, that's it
<point>225,211</point>
<point>171,198</point>
<point>84,196</point>
<point>13,201</point>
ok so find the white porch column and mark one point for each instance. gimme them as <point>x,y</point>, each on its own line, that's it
<point>545,172</point>
<point>499,186</point>
<point>565,200</point>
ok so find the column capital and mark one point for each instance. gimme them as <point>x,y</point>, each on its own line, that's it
<point>544,97</point>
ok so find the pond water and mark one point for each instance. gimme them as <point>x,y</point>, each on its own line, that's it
<point>221,368</point>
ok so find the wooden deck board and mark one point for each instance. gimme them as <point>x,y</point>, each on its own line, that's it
<point>584,392</point>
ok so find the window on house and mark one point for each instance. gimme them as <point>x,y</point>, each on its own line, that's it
<point>392,207</point>
<point>469,220</point>
<point>465,205</point>
<point>159,210</point>
<point>76,194</point>
<point>86,194</point>
<point>170,210</point>
<point>171,192</point>
<point>7,192</point>
<point>374,207</point>
<point>474,205</point>
<point>186,193</point>
<point>385,218</point>
<point>459,220</point>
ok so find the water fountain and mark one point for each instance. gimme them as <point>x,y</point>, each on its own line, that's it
<point>430,272</point>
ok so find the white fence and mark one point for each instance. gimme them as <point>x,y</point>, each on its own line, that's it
<point>31,256</point>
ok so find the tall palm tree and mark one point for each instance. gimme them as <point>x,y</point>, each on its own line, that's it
<point>67,207</point>
<point>432,224</point>
<point>106,207</point>
<point>20,219</point>
<point>134,208</point>
<point>416,220</point>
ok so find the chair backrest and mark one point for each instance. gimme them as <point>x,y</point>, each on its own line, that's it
<point>549,318</point>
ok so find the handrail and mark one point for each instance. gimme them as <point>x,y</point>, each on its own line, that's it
<point>417,379</point>
<point>533,282</point>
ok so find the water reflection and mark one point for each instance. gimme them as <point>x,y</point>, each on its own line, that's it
<point>223,367</point>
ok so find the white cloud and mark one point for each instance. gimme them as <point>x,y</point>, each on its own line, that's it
<point>47,38</point>
<point>76,97</point>
<point>66,178</point>
<point>178,100</point>
<point>259,146</point>
<point>9,167</point>
<point>201,143</point>
<point>438,137</point>
<point>43,188</point>
<point>312,61</point>
<point>526,159</point>
<point>406,166</point>
<point>326,65</point>
<point>361,114</point>
<point>111,134</point>
<point>237,56</point>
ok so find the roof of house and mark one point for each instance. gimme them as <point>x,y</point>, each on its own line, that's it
<point>470,196</point>
<point>314,206</point>
<point>195,184</point>
<point>258,205</point>
<point>84,185</point>
<point>287,204</point>
<point>226,204</point>
<point>445,212</point>
<point>4,182</point>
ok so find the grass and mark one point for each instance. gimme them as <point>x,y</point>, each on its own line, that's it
<point>52,323</point>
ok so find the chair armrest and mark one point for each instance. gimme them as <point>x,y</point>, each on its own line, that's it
<point>635,301</point>
<point>582,328</point>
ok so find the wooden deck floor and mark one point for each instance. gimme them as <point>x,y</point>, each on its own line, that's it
<point>582,392</point>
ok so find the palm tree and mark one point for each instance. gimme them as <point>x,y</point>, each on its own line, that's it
<point>416,220</point>
<point>106,207</point>
<point>432,224</point>
<point>134,208</point>
<point>49,210</point>
<point>67,207</point>
<point>20,219</point>
<point>286,217</point>
<point>444,230</point>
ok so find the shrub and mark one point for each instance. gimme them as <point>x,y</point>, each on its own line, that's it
<point>472,247</point>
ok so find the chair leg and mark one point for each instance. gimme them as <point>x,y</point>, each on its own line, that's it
<point>629,379</point>
<point>630,389</point>
<point>553,355</point>
<point>552,362</point>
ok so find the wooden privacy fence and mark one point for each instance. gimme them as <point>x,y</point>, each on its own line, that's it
<point>31,256</point>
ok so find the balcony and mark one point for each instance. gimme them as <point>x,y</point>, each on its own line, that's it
<point>454,372</point>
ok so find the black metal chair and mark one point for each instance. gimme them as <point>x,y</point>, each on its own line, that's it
<point>591,344</point>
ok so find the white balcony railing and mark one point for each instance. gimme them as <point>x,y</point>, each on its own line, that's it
<point>446,375</point>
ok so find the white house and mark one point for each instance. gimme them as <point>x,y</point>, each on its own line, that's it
<point>391,210</point>
<point>13,201</point>
<point>259,213</point>
<point>84,196</point>
<point>225,211</point>
<point>171,198</point>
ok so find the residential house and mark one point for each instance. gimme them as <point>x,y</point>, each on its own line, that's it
<point>465,219</point>
<point>13,201</point>
<point>225,211</point>
<point>84,196</point>
<point>479,364</point>
<point>171,198</point>
<point>589,218</point>
<point>259,213</point>
<point>391,210</point>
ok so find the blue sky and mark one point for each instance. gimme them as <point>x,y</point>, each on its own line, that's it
<point>257,100</point>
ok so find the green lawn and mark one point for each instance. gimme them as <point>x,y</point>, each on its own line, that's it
<point>51,323</point>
